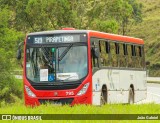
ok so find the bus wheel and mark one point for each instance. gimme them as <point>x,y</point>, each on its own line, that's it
<point>131,96</point>
<point>103,99</point>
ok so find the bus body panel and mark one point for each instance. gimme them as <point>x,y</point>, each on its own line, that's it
<point>61,94</point>
<point>115,37</point>
<point>118,83</point>
<point>140,95</point>
<point>49,94</point>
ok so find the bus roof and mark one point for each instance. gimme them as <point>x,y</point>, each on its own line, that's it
<point>97,34</point>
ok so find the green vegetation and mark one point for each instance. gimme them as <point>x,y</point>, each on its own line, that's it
<point>38,15</point>
<point>11,90</point>
<point>20,17</point>
<point>149,30</point>
<point>83,109</point>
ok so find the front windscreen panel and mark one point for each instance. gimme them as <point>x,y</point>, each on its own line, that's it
<point>56,62</point>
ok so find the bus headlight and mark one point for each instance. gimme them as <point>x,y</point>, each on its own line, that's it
<point>29,92</point>
<point>83,90</point>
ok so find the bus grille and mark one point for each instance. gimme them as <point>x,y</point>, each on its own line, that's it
<point>62,101</point>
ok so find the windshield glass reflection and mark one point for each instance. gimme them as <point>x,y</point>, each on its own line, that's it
<point>50,64</point>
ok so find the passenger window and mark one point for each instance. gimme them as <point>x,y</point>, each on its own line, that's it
<point>122,57</point>
<point>104,57</point>
<point>94,46</point>
<point>125,49</point>
<point>117,48</point>
<point>114,55</point>
<point>133,50</point>
<point>141,56</point>
<point>107,47</point>
<point>136,57</point>
<point>130,50</point>
<point>140,50</point>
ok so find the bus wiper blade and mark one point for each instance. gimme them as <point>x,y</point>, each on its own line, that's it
<point>65,52</point>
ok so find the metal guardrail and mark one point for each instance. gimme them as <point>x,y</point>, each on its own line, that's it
<point>18,76</point>
<point>153,79</point>
<point>17,72</point>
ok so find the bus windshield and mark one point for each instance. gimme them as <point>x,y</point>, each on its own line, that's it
<point>56,64</point>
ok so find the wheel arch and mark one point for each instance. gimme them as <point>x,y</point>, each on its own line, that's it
<point>132,87</point>
<point>104,90</point>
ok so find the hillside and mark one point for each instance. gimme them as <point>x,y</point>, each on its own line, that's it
<point>149,31</point>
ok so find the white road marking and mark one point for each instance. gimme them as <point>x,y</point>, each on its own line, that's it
<point>153,79</point>
<point>153,95</point>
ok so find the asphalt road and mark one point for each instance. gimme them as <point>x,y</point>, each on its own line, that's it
<point>153,94</point>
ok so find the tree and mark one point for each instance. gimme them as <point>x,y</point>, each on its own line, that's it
<point>38,15</point>
<point>8,39</point>
<point>20,17</point>
<point>126,12</point>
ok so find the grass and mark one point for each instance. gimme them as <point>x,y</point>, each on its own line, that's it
<point>20,108</point>
<point>82,109</point>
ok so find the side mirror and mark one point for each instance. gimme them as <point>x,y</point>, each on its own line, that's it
<point>147,63</point>
<point>18,54</point>
<point>19,50</point>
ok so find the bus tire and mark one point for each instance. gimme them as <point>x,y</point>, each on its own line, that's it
<point>103,97</point>
<point>131,96</point>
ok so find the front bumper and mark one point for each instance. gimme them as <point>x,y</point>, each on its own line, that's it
<point>85,99</point>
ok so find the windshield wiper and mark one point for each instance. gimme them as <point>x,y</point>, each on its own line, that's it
<point>65,52</point>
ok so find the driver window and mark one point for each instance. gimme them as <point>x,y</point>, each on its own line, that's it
<point>94,47</point>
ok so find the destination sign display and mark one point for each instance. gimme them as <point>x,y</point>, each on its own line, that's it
<point>50,39</point>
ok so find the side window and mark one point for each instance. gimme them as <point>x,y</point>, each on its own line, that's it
<point>104,57</point>
<point>142,57</point>
<point>107,47</point>
<point>137,57</point>
<point>114,54</point>
<point>134,57</point>
<point>94,46</point>
<point>122,57</point>
<point>130,50</point>
<point>140,51</point>
<point>133,50</point>
<point>117,48</point>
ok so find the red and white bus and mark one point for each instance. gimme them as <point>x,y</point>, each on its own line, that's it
<point>83,67</point>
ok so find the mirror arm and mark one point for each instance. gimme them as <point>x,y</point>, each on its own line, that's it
<point>19,50</point>
<point>20,44</point>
